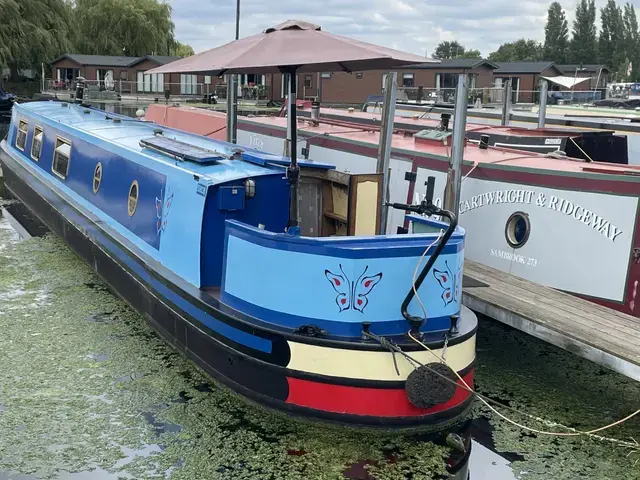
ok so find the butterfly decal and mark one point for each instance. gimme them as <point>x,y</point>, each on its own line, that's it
<point>162,212</point>
<point>352,294</point>
<point>450,283</point>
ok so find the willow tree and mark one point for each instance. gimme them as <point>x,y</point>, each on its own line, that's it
<point>123,27</point>
<point>33,32</point>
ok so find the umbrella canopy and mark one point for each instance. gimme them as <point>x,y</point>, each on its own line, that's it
<point>292,45</point>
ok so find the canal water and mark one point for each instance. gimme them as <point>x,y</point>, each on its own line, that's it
<point>88,391</point>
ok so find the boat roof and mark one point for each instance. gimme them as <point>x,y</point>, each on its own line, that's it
<point>502,157</point>
<point>130,132</point>
<point>429,120</point>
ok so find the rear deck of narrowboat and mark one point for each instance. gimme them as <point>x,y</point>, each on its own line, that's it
<point>190,231</point>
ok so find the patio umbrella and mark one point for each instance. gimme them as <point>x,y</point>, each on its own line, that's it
<point>292,47</point>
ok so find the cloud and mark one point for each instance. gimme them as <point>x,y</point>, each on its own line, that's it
<point>415,26</point>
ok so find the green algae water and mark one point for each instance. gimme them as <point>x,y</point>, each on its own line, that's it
<point>88,391</point>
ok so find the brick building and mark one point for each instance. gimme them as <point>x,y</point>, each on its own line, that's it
<point>525,78</point>
<point>126,73</point>
<point>599,75</point>
<point>355,87</point>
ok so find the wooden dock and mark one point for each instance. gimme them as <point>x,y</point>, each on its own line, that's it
<point>602,335</point>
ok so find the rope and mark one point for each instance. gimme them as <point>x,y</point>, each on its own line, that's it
<point>486,400</point>
<point>580,148</point>
<point>573,432</point>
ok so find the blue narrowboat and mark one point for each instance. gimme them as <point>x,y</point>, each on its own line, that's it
<point>192,233</point>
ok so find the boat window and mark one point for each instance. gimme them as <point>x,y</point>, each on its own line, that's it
<point>97,177</point>
<point>21,138</point>
<point>133,198</point>
<point>517,229</point>
<point>36,143</point>
<point>61,158</point>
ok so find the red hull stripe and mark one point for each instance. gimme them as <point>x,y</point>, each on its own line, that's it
<point>365,401</point>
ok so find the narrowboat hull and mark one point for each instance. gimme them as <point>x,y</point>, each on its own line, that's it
<point>256,362</point>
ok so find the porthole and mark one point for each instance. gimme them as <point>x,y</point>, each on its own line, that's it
<point>97,177</point>
<point>132,204</point>
<point>517,229</point>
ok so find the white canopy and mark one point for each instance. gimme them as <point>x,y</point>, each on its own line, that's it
<point>566,81</point>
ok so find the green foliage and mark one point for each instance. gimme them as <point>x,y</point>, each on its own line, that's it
<point>518,51</point>
<point>584,42</point>
<point>33,31</point>
<point>123,27</point>
<point>454,49</point>
<point>181,50</point>
<point>556,35</point>
<point>37,31</point>
<point>632,41</point>
<point>611,45</point>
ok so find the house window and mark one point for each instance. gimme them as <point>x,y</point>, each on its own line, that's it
<point>188,84</point>
<point>446,81</point>
<point>140,81</point>
<point>124,75</point>
<point>308,80</point>
<point>325,75</point>
<point>21,138</point>
<point>132,203</point>
<point>359,75</point>
<point>154,82</point>
<point>407,80</point>
<point>61,158</point>
<point>36,143</point>
<point>97,177</point>
<point>207,79</point>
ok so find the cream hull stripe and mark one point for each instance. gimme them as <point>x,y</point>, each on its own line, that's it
<point>367,365</point>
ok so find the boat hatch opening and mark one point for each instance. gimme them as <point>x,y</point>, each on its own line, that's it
<point>181,150</point>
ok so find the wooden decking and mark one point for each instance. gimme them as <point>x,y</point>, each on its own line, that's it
<point>602,335</point>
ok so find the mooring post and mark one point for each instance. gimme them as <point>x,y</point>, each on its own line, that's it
<point>542,111</point>
<point>232,114</point>
<point>384,147</point>
<point>506,103</point>
<point>454,175</point>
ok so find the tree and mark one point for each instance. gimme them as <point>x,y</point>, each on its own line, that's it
<point>611,46</point>
<point>518,51</point>
<point>181,50</point>
<point>584,41</point>
<point>32,32</point>
<point>454,49</point>
<point>124,27</point>
<point>632,41</point>
<point>471,54</point>
<point>556,35</point>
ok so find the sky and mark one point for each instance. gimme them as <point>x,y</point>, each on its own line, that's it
<point>415,26</point>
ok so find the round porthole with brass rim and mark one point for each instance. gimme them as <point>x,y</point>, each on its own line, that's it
<point>97,177</point>
<point>517,229</point>
<point>132,203</point>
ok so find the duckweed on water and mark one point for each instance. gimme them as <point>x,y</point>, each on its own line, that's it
<point>85,383</point>
<point>547,382</point>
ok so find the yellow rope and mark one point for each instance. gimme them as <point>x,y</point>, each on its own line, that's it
<point>573,432</point>
<point>583,152</point>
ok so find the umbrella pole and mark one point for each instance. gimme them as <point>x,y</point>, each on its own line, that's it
<point>293,171</point>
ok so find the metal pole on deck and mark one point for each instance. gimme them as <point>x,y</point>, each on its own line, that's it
<point>232,93</point>
<point>506,103</point>
<point>384,147</point>
<point>454,175</point>
<point>293,171</point>
<point>542,111</point>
